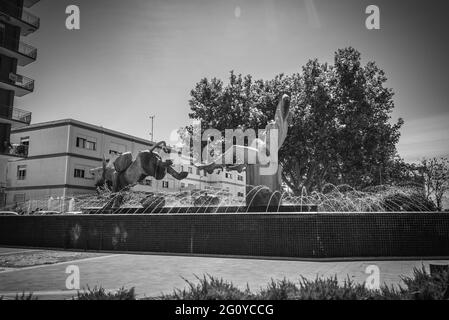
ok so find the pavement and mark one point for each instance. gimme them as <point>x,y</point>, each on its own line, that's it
<point>152,275</point>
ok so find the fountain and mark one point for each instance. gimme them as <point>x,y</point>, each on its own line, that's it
<point>263,190</point>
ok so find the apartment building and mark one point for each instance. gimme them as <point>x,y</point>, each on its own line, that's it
<point>15,22</point>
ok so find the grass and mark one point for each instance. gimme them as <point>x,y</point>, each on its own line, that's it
<point>41,257</point>
<point>101,294</point>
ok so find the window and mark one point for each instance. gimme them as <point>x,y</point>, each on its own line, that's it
<point>90,145</point>
<point>25,141</point>
<point>21,172</point>
<point>148,182</point>
<point>205,173</point>
<point>80,142</point>
<point>86,144</point>
<point>190,170</point>
<point>240,194</point>
<point>79,173</point>
<point>197,171</point>
<point>228,175</point>
<point>165,184</point>
<point>240,178</point>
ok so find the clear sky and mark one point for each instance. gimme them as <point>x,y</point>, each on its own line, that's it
<point>136,58</point>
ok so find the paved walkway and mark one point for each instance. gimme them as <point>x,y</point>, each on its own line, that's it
<point>154,274</point>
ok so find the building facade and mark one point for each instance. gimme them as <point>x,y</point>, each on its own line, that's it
<point>15,22</point>
<point>61,154</point>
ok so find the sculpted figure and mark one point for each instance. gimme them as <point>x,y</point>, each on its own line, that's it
<point>261,184</point>
<point>126,172</point>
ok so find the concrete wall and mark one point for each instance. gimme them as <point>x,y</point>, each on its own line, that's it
<point>105,143</point>
<point>44,142</point>
<point>273,235</point>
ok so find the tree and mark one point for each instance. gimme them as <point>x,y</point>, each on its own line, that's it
<point>340,129</point>
<point>403,174</point>
<point>436,179</point>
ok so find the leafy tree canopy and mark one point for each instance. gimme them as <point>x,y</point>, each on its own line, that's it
<point>340,128</point>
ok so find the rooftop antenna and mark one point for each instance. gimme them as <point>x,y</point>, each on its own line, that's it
<point>152,128</point>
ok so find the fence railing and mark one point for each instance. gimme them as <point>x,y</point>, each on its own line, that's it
<point>20,14</point>
<point>30,19</point>
<point>17,114</point>
<point>22,48</point>
<point>18,150</point>
<point>21,115</point>
<point>27,50</point>
<point>22,81</point>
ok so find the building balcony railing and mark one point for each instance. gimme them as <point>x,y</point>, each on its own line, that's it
<point>24,53</point>
<point>21,115</point>
<point>30,3</point>
<point>15,15</point>
<point>31,19</point>
<point>16,117</point>
<point>19,150</point>
<point>21,85</point>
<point>22,81</point>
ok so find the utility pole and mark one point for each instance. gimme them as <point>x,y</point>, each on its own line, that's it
<point>152,128</point>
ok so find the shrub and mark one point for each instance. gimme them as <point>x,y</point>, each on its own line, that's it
<point>418,287</point>
<point>209,288</point>
<point>425,286</point>
<point>101,294</point>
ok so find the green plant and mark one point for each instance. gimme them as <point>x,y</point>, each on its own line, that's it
<point>425,286</point>
<point>101,294</point>
<point>209,288</point>
<point>421,286</point>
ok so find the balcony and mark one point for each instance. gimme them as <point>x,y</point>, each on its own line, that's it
<point>24,53</point>
<point>17,151</point>
<point>21,85</point>
<point>14,15</point>
<point>16,117</point>
<point>29,3</point>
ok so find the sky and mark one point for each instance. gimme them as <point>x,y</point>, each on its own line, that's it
<point>136,58</point>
